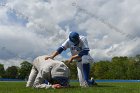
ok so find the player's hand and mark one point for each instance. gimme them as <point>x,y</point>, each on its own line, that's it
<point>70,60</point>
<point>46,58</point>
<point>56,86</point>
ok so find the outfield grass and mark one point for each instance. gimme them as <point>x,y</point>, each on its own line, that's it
<point>19,87</point>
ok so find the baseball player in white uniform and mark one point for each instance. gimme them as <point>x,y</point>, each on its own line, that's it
<point>80,52</point>
<point>55,73</point>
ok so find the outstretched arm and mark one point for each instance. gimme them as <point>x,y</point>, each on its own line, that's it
<point>57,52</point>
<point>54,54</point>
<point>32,77</point>
<point>64,46</point>
<point>39,83</point>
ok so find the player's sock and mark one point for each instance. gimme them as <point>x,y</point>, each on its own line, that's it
<point>86,70</point>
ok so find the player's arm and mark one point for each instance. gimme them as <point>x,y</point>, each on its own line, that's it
<point>85,51</point>
<point>57,52</point>
<point>85,48</point>
<point>64,46</point>
<point>52,55</point>
<point>79,56</point>
<point>46,86</point>
<point>39,82</point>
<point>73,57</point>
<point>32,77</point>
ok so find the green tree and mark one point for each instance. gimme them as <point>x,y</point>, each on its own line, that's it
<point>137,70</point>
<point>130,68</point>
<point>122,67</point>
<point>11,72</point>
<point>101,70</point>
<point>118,68</point>
<point>2,71</point>
<point>25,69</point>
<point>92,70</point>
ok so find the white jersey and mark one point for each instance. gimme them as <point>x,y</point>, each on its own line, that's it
<point>45,70</point>
<point>76,50</point>
<point>83,45</point>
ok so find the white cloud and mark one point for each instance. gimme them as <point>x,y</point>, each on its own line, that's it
<point>37,27</point>
<point>11,62</point>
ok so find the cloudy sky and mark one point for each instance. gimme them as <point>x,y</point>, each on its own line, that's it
<point>31,28</point>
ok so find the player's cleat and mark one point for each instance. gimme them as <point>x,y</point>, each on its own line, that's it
<point>84,85</point>
<point>93,83</point>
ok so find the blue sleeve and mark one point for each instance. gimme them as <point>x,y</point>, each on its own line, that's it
<point>83,52</point>
<point>60,49</point>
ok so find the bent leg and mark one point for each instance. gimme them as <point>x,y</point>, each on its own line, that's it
<point>81,75</point>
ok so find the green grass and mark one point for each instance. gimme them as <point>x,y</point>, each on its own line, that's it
<point>19,87</point>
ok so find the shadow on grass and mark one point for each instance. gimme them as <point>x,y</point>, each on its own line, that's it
<point>99,85</point>
<point>104,86</point>
<point>74,87</point>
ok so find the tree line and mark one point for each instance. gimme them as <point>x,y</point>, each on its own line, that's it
<point>122,67</point>
<point>15,72</point>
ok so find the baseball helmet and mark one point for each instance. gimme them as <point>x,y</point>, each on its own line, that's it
<point>63,81</point>
<point>74,37</point>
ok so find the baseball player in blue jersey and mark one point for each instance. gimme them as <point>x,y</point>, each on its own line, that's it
<point>80,52</point>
